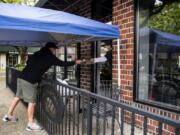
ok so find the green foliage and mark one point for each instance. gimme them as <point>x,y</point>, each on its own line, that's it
<point>11,1</point>
<point>168,19</point>
<point>20,67</point>
<point>26,2</point>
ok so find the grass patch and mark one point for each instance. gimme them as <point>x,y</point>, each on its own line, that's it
<point>2,70</point>
<point>2,78</point>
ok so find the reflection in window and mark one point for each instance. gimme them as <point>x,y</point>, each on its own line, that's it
<point>67,72</point>
<point>158,47</point>
<point>60,55</point>
<point>12,59</point>
<point>106,67</point>
<point>71,71</point>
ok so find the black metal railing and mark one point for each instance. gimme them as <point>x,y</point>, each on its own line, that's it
<point>11,78</point>
<point>66,110</point>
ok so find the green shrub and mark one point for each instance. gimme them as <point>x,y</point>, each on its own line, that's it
<point>19,67</point>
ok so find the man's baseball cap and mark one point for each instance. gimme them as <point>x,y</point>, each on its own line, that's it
<point>51,45</point>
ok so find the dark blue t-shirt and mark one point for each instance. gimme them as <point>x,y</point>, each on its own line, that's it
<point>39,63</point>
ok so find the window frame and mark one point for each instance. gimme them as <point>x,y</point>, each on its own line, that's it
<point>65,70</point>
<point>163,106</point>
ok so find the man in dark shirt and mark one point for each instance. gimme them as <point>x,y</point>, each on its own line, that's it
<point>106,71</point>
<point>106,60</point>
<point>36,66</point>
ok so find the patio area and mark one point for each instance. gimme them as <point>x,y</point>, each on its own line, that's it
<point>80,117</point>
<point>19,127</point>
<point>13,128</point>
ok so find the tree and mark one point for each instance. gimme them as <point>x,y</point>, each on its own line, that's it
<point>168,19</point>
<point>30,2</point>
<point>11,1</point>
<point>160,14</point>
<point>22,52</point>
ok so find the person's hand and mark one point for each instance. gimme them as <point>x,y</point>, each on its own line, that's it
<point>84,61</point>
<point>79,61</point>
<point>92,60</point>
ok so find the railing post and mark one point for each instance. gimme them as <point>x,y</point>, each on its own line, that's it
<point>145,126</point>
<point>7,76</point>
<point>177,131</point>
<point>160,128</point>
<point>132,123</point>
<point>122,121</point>
<point>89,117</point>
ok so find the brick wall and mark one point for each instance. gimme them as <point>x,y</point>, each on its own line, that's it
<point>84,9</point>
<point>85,80</point>
<point>123,16</point>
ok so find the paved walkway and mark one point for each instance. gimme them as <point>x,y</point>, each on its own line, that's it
<point>2,73</point>
<point>8,128</point>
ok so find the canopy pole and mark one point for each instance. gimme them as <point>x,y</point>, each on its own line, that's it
<point>119,79</point>
<point>65,60</point>
<point>98,70</point>
<point>153,66</point>
<point>89,38</point>
<point>118,59</point>
<point>94,69</point>
<point>54,68</point>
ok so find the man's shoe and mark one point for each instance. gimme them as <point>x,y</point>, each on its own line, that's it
<point>7,118</point>
<point>33,127</point>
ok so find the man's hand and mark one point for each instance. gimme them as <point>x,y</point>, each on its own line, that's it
<point>92,60</point>
<point>79,61</point>
<point>101,59</point>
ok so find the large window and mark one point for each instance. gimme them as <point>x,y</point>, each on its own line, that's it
<point>72,73</point>
<point>68,53</point>
<point>158,52</point>
<point>12,59</point>
<point>103,67</point>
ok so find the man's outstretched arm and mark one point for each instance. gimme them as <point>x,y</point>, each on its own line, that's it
<point>59,62</point>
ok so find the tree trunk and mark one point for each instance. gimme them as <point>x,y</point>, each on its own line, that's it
<point>23,53</point>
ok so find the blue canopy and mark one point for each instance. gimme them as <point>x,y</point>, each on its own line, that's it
<point>162,38</point>
<point>23,25</point>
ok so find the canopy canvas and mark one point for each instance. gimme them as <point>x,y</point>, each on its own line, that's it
<point>161,38</point>
<point>32,26</point>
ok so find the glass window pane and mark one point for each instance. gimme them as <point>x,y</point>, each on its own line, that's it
<point>158,52</point>
<point>71,71</point>
<point>60,55</point>
<point>106,67</point>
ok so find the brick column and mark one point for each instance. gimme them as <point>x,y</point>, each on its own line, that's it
<point>123,16</point>
<point>84,9</point>
<point>85,79</point>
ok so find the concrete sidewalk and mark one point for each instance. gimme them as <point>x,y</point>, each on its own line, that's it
<point>9,128</point>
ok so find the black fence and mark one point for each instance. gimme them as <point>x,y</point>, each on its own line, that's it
<point>66,110</point>
<point>11,78</point>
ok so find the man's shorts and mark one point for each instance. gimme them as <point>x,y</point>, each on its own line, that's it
<point>26,91</point>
